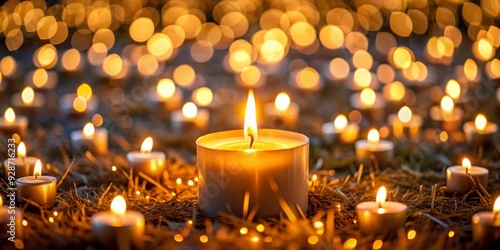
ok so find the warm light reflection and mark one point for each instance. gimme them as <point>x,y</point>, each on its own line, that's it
<point>147,145</point>
<point>189,110</point>
<point>88,130</point>
<point>307,78</point>
<point>203,96</point>
<point>373,136</point>
<point>119,205</point>
<point>9,116</point>
<point>453,89</point>
<point>466,165</point>
<point>480,122</point>
<point>447,108</point>
<point>362,78</point>
<point>405,114</point>
<point>368,97</point>
<point>394,91</point>
<point>80,104</point>
<point>282,102</point>
<point>496,205</point>
<point>470,69</point>
<point>28,95</point>
<point>165,88</point>
<point>38,168</point>
<point>381,196</point>
<point>340,122</point>
<point>85,91</point>
<point>21,150</point>
<point>250,126</point>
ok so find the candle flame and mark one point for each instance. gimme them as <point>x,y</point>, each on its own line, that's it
<point>85,91</point>
<point>282,102</point>
<point>480,122</point>
<point>453,89</point>
<point>496,205</point>
<point>38,168</point>
<point>21,150</point>
<point>447,107</point>
<point>1,201</point>
<point>466,164</point>
<point>9,116</point>
<point>165,88</point>
<point>250,126</point>
<point>405,114</point>
<point>119,205</point>
<point>368,97</point>
<point>28,95</point>
<point>189,110</point>
<point>340,122</point>
<point>88,130</point>
<point>381,196</point>
<point>373,136</point>
<point>147,145</point>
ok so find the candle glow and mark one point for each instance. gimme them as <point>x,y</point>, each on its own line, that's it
<point>466,165</point>
<point>380,199</point>
<point>21,150</point>
<point>405,114</point>
<point>250,126</point>
<point>85,91</point>
<point>453,89</point>
<point>368,97</point>
<point>9,116</point>
<point>496,205</point>
<point>373,136</point>
<point>28,95</point>
<point>80,104</point>
<point>340,122</point>
<point>282,102</point>
<point>189,110</point>
<point>119,206</point>
<point>38,168</point>
<point>165,88</point>
<point>88,130</point>
<point>480,123</point>
<point>147,145</point>
<point>447,108</point>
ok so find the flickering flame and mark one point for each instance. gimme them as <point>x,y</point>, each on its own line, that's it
<point>381,195</point>
<point>85,91</point>
<point>38,168</point>
<point>340,122</point>
<point>88,130</point>
<point>165,88</point>
<point>147,145</point>
<point>189,110</point>
<point>282,102</point>
<point>466,164</point>
<point>21,150</point>
<point>496,205</point>
<point>480,122</point>
<point>368,97</point>
<point>447,107</point>
<point>119,205</point>
<point>453,89</point>
<point>9,116</point>
<point>373,136</point>
<point>250,126</point>
<point>405,114</point>
<point>28,95</point>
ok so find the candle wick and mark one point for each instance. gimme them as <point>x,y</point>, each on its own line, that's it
<point>251,140</point>
<point>379,205</point>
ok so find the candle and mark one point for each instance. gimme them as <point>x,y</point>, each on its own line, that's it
<point>37,188</point>
<point>405,123</point>
<point>12,124</point>
<point>453,90</point>
<point>367,99</point>
<point>118,229</point>
<point>459,178</point>
<point>166,94</point>
<point>11,219</point>
<point>263,171</point>
<point>486,227</point>
<point>382,150</point>
<point>189,119</point>
<point>83,102</point>
<point>446,114</point>
<point>341,129</point>
<point>480,132</point>
<point>19,166</point>
<point>150,163</point>
<point>90,139</point>
<point>381,216</point>
<point>283,110</point>
<point>27,101</point>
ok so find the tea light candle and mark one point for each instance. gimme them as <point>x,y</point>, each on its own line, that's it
<point>240,171</point>
<point>283,110</point>
<point>12,124</point>
<point>382,150</point>
<point>446,114</point>
<point>11,219</point>
<point>150,163</point>
<point>340,129</point>
<point>167,94</point>
<point>367,99</point>
<point>37,188</point>
<point>381,216</point>
<point>19,166</point>
<point>189,118</point>
<point>459,178</point>
<point>405,123</point>
<point>27,101</point>
<point>480,131</point>
<point>118,229</point>
<point>81,103</point>
<point>90,139</point>
<point>486,227</point>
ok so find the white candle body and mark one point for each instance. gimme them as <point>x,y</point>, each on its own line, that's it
<point>347,135</point>
<point>41,190</point>
<point>391,217</point>
<point>11,221</point>
<point>18,126</point>
<point>383,151</point>
<point>182,124</point>
<point>19,167</point>
<point>475,137</point>
<point>486,231</point>
<point>151,164</point>
<point>111,231</point>
<point>66,105</point>
<point>97,143</point>
<point>226,175</point>
<point>288,117</point>
<point>409,129</point>
<point>460,182</point>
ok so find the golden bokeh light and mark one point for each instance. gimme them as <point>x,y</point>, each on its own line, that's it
<point>394,91</point>
<point>203,96</point>
<point>40,77</point>
<point>160,46</point>
<point>112,65</point>
<point>85,91</point>
<point>362,59</point>
<point>362,78</point>
<point>46,56</point>
<point>368,97</point>
<point>339,68</point>
<point>331,37</point>
<point>28,95</point>
<point>165,88</point>
<point>307,78</point>
<point>141,29</point>
<point>184,75</point>
<point>250,75</point>
<point>80,104</point>
<point>71,59</point>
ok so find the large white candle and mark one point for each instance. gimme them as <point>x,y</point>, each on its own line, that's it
<point>263,171</point>
<point>486,227</point>
<point>37,188</point>
<point>462,179</point>
<point>90,139</point>
<point>150,163</point>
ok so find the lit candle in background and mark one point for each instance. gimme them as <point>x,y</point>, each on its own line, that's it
<point>257,164</point>
<point>150,163</point>
<point>10,217</point>
<point>37,188</point>
<point>119,228</point>
<point>381,216</point>
<point>480,131</point>
<point>42,79</point>
<point>12,124</point>
<point>453,90</point>
<point>203,97</point>
<point>19,166</point>
<point>486,227</point>
<point>27,101</point>
<point>468,74</point>
<point>381,150</point>
<point>369,102</point>
<point>282,111</point>
<point>446,114</point>
<point>166,93</point>
<point>459,178</point>
<point>81,103</point>
<point>90,139</point>
<point>190,119</point>
<point>405,123</point>
<point>341,129</point>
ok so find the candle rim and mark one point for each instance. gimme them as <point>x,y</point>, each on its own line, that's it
<point>44,179</point>
<point>372,206</point>
<point>471,170</point>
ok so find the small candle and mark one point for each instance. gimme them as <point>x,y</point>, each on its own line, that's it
<point>341,129</point>
<point>12,124</point>
<point>27,101</point>
<point>241,171</point>
<point>381,216</point>
<point>150,163</point>
<point>480,132</point>
<point>90,139</point>
<point>190,119</point>
<point>449,116</point>
<point>459,178</point>
<point>367,100</point>
<point>405,123</point>
<point>81,103</point>
<point>118,229</point>
<point>11,219</point>
<point>283,110</point>
<point>382,150</point>
<point>167,94</point>
<point>37,188</point>
<point>19,166</point>
<point>486,227</point>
